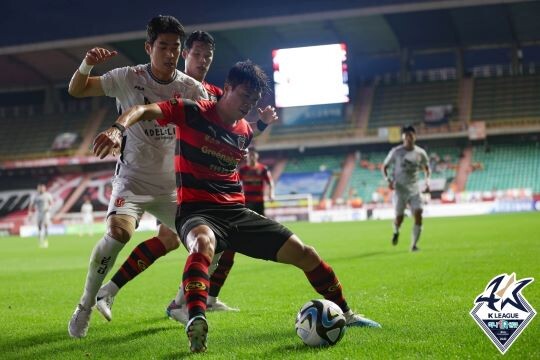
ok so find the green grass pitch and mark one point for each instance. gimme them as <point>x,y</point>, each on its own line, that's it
<point>421,299</point>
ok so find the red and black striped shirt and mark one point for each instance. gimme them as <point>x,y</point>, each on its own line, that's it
<point>207,153</point>
<point>253,179</point>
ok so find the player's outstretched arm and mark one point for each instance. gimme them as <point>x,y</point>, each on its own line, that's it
<point>83,85</point>
<point>110,140</point>
<point>268,116</point>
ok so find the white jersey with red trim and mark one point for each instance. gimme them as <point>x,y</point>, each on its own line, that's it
<point>147,153</point>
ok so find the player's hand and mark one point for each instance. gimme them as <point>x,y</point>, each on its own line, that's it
<point>390,184</point>
<point>268,115</point>
<point>98,55</point>
<point>107,142</point>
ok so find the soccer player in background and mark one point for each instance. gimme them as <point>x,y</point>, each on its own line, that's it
<point>144,180</point>
<point>87,216</point>
<point>212,139</point>
<point>41,205</point>
<point>407,159</point>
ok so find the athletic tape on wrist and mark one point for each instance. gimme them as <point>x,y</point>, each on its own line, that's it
<point>84,68</point>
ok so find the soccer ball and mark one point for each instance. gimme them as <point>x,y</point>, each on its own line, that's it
<point>320,323</point>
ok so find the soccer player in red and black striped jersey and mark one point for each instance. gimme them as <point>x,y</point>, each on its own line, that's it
<point>212,139</point>
<point>254,176</point>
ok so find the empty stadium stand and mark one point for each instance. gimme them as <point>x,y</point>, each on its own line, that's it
<point>399,104</point>
<point>506,166</point>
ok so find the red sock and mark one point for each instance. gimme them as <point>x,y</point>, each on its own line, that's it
<point>325,282</point>
<point>139,260</point>
<point>219,276</point>
<point>195,283</point>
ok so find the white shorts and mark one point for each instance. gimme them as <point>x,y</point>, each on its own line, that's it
<point>43,219</point>
<point>124,201</point>
<point>402,198</point>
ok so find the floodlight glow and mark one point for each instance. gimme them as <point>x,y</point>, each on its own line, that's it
<point>311,75</point>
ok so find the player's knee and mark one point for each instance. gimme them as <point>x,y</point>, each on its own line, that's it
<point>201,240</point>
<point>120,227</point>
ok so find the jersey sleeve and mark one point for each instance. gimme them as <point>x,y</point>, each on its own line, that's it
<point>390,157</point>
<point>173,111</point>
<point>112,81</point>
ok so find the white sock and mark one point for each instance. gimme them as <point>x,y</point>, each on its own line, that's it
<point>395,227</point>
<point>417,229</point>
<point>109,288</point>
<point>179,299</point>
<point>101,261</point>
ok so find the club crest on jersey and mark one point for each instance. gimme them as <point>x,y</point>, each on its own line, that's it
<point>173,101</point>
<point>119,202</point>
<point>241,142</point>
<point>502,311</point>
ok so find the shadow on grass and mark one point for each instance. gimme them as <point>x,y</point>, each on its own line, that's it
<point>52,344</point>
<point>225,347</point>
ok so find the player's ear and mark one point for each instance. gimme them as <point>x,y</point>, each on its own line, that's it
<point>147,47</point>
<point>184,54</point>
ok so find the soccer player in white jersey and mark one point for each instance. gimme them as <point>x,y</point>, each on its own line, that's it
<point>144,178</point>
<point>87,216</point>
<point>407,159</point>
<point>198,54</point>
<point>41,205</point>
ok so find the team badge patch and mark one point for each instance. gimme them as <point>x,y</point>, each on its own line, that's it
<point>241,142</point>
<point>119,202</point>
<point>502,311</point>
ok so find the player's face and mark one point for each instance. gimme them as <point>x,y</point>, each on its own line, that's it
<point>409,138</point>
<point>240,100</point>
<point>164,54</point>
<point>198,59</point>
<point>252,158</point>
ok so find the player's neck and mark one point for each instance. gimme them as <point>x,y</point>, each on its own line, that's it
<point>223,115</point>
<point>199,79</point>
<point>162,76</point>
<point>408,147</point>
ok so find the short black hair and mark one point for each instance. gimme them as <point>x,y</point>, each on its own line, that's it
<point>249,74</point>
<point>408,128</point>
<point>164,24</point>
<point>201,36</point>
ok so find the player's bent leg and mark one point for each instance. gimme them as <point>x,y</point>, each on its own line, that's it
<point>142,257</point>
<point>321,277</point>
<point>168,238</point>
<point>396,225</point>
<point>217,279</point>
<point>119,230</point>
<point>200,243</point>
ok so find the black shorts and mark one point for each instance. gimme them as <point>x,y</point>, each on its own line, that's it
<point>238,229</point>
<point>257,206</point>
